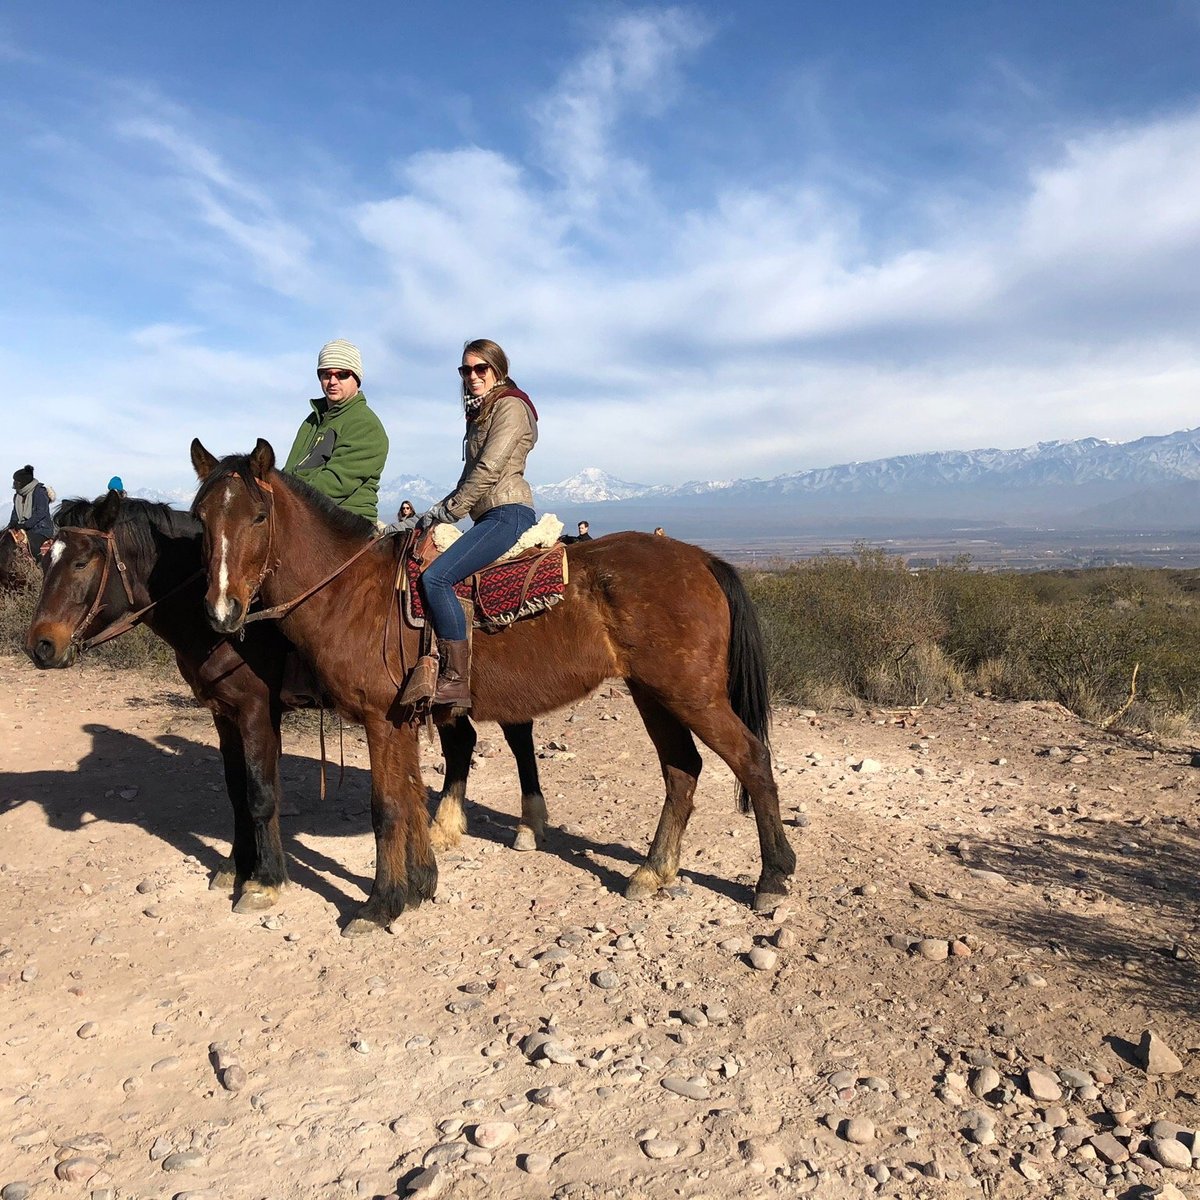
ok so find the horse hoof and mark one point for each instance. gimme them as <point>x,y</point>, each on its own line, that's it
<point>442,838</point>
<point>256,900</point>
<point>360,927</point>
<point>526,839</point>
<point>642,885</point>
<point>766,901</point>
<point>223,881</point>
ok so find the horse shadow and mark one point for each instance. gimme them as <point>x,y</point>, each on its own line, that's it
<point>172,787</point>
<point>582,853</point>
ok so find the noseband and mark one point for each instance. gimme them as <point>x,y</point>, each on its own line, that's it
<point>112,558</point>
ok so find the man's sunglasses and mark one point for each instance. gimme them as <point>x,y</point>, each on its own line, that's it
<point>342,375</point>
<point>479,369</point>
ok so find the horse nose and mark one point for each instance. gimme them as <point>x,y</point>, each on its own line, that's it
<point>43,652</point>
<point>224,616</point>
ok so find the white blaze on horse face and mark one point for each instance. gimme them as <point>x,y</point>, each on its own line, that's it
<point>56,551</point>
<point>221,608</point>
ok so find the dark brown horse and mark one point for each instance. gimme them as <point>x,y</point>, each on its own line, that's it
<point>673,621</point>
<point>156,550</point>
<point>17,564</point>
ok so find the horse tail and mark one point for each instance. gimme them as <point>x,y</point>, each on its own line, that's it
<point>749,693</point>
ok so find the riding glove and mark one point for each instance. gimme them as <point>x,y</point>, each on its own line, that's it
<point>437,515</point>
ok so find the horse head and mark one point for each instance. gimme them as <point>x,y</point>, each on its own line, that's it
<point>79,583</point>
<point>236,507</point>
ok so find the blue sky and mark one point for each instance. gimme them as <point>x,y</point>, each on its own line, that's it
<point>717,241</point>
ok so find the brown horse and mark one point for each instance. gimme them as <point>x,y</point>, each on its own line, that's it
<point>17,564</point>
<point>670,619</point>
<point>116,556</point>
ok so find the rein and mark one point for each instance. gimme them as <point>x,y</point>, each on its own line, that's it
<point>281,610</point>
<point>112,558</point>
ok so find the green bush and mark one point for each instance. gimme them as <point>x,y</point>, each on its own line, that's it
<point>867,628</point>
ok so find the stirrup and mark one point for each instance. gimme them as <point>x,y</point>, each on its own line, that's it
<point>421,682</point>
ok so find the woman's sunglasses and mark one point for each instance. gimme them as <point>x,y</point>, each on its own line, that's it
<point>342,375</point>
<point>479,369</point>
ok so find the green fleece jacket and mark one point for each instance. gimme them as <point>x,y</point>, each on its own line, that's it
<point>341,451</point>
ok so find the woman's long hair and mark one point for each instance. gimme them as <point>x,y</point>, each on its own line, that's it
<point>492,354</point>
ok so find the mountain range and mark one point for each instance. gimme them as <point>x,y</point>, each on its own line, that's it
<point>1152,483</point>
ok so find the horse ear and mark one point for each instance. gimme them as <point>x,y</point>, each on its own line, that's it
<point>262,458</point>
<point>202,461</point>
<point>105,513</point>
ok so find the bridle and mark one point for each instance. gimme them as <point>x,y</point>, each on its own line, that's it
<point>270,562</point>
<point>113,560</point>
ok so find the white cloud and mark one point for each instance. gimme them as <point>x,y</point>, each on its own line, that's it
<point>762,331</point>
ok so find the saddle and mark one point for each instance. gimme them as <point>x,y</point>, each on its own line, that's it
<point>504,592</point>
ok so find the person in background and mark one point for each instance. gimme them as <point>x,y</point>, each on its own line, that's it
<point>341,447</point>
<point>31,509</point>
<point>406,518</point>
<point>659,531</point>
<point>501,431</point>
<point>583,536</point>
<point>117,484</point>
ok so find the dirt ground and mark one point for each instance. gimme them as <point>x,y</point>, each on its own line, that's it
<point>988,914</point>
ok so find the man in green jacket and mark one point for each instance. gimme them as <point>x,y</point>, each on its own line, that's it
<point>341,448</point>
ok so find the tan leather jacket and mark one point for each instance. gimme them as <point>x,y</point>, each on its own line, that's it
<point>498,441</point>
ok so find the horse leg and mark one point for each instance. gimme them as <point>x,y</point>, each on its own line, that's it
<point>232,871</point>
<point>458,744</point>
<point>681,765</point>
<point>721,730</point>
<point>260,737</point>
<point>405,869</point>
<point>531,832</point>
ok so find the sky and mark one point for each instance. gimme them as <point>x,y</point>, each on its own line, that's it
<point>717,241</point>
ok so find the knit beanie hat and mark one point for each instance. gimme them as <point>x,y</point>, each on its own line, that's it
<point>115,484</point>
<point>340,355</point>
<point>23,477</point>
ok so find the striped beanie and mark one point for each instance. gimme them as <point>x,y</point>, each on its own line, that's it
<point>340,355</point>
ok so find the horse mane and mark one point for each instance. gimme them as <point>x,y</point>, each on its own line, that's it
<point>340,519</point>
<point>135,527</point>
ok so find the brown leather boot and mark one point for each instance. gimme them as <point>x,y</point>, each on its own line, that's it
<point>454,678</point>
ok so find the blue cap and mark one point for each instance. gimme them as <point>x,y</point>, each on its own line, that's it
<point>115,484</point>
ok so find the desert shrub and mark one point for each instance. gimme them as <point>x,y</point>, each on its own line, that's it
<point>986,615</point>
<point>16,611</point>
<point>866,628</point>
<point>864,625</point>
<point>1083,654</point>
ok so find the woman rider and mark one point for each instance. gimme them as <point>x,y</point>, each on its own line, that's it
<point>501,431</point>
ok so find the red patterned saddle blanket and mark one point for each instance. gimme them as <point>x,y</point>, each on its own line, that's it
<point>502,593</point>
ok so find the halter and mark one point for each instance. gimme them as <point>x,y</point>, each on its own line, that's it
<point>112,558</point>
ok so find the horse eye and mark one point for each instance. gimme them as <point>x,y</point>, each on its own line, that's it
<point>259,519</point>
<point>80,564</point>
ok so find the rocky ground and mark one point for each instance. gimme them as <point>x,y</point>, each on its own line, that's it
<point>984,983</point>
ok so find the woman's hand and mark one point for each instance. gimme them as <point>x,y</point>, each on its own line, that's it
<point>437,515</point>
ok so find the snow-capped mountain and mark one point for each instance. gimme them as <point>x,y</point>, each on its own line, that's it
<point>415,488</point>
<point>1066,483</point>
<point>589,486</point>
<point>1147,460</point>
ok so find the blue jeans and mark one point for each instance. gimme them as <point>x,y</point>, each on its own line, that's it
<point>496,532</point>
